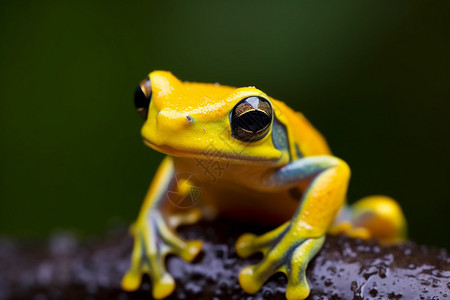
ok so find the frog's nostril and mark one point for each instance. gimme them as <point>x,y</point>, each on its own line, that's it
<point>189,118</point>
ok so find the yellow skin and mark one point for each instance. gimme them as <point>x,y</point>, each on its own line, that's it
<point>287,177</point>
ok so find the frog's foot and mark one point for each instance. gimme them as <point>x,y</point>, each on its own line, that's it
<point>378,217</point>
<point>350,230</point>
<point>154,239</point>
<point>283,251</point>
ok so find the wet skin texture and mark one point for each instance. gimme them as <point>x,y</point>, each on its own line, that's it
<point>276,168</point>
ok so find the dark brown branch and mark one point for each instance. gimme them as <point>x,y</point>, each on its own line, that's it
<point>344,269</point>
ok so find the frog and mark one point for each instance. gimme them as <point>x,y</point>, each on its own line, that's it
<point>276,169</point>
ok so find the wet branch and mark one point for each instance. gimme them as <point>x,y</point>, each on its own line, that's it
<point>66,268</point>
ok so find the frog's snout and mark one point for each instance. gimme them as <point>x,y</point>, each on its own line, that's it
<point>167,121</point>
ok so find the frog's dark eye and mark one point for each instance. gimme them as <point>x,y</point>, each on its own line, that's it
<point>251,119</point>
<point>142,97</point>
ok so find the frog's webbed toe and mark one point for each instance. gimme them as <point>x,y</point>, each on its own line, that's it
<point>283,252</point>
<point>154,239</point>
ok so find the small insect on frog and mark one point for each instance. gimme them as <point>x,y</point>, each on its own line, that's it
<point>274,167</point>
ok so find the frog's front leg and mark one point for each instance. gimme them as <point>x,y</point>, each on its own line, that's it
<point>290,247</point>
<point>155,236</point>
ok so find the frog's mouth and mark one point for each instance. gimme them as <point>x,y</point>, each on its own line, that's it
<point>211,155</point>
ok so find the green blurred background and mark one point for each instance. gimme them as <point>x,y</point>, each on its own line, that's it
<point>373,76</point>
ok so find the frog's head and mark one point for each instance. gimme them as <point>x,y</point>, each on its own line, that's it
<point>208,121</point>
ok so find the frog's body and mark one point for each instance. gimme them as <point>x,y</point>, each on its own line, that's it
<point>249,157</point>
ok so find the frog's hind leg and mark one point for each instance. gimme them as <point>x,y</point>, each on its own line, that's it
<point>378,217</point>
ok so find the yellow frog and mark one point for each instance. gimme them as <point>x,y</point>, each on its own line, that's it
<point>240,153</point>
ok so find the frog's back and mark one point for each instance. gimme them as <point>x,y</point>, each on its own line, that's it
<point>303,137</point>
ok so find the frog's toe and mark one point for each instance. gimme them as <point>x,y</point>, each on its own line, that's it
<point>283,254</point>
<point>191,251</point>
<point>297,291</point>
<point>295,269</point>
<point>248,243</point>
<point>249,280</point>
<point>154,240</point>
<point>245,245</point>
<point>163,287</point>
<point>188,217</point>
<point>131,281</point>
<point>253,277</point>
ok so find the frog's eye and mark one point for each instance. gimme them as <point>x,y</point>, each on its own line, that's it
<point>251,119</point>
<point>142,97</point>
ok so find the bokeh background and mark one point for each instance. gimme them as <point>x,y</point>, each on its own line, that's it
<point>372,76</point>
